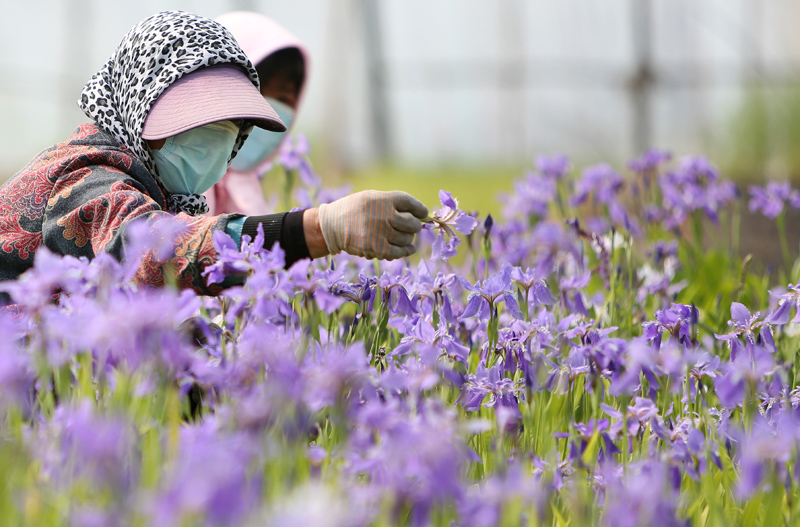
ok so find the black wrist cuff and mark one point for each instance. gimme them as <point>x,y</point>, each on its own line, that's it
<point>285,228</point>
<point>271,223</point>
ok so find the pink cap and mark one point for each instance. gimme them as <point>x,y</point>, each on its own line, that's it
<point>215,93</point>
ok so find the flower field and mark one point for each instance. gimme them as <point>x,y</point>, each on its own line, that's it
<point>600,355</point>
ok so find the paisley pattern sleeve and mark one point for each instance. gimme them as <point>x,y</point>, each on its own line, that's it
<point>90,208</point>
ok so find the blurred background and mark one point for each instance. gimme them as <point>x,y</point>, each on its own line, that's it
<point>463,94</point>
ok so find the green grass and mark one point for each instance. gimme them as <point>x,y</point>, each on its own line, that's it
<point>476,188</point>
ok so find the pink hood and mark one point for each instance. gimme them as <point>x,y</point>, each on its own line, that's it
<point>259,37</point>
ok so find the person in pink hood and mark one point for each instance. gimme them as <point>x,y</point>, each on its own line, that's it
<point>370,223</point>
<point>282,64</point>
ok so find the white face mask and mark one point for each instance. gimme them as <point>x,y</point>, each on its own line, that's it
<point>261,144</point>
<point>195,160</point>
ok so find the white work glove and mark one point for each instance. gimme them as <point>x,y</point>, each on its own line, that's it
<point>373,224</point>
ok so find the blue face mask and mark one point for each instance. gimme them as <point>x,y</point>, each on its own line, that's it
<point>194,161</point>
<point>261,144</point>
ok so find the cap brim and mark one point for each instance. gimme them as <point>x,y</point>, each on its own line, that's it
<point>212,94</point>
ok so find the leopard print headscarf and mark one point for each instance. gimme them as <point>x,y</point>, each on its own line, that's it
<point>155,53</point>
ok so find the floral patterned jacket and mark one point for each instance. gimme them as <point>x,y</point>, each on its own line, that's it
<point>77,197</point>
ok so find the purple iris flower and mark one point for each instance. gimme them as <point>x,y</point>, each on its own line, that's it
<point>659,282</point>
<point>315,284</point>
<point>531,198</point>
<point>663,250</point>
<point>571,296</point>
<point>501,391</point>
<point>780,315</point>
<point>444,248</point>
<point>103,276</point>
<point>672,433</point>
<point>599,180</point>
<point>79,445</point>
<point>483,504</point>
<point>522,348</point>
<point>292,152</point>
<point>447,221</point>
<point>677,320</point>
<point>156,236</point>
<point>636,417</point>
<point>605,185</point>
<point>250,259</point>
<point>17,372</point>
<point>585,432</point>
<point>329,195</point>
<point>606,357</point>
<point>137,330</point>
<point>765,449</point>
<point>650,161</point>
<point>641,358</point>
<point>643,494</point>
<point>362,294</point>
<point>434,292</point>
<point>695,186</point>
<point>526,349</point>
<point>742,323</point>
<point>38,286</point>
<point>229,261</point>
<point>532,281</point>
<point>307,198</point>
<point>412,376</point>
<point>770,199</point>
<point>293,155</point>
<point>707,366</point>
<point>560,471</point>
<point>416,459</point>
<point>422,332</point>
<point>251,358</point>
<point>333,371</point>
<point>553,167</point>
<point>749,367</point>
<point>210,477</point>
<point>483,295</point>
<point>95,517</point>
<point>552,241</point>
<point>657,278</point>
<point>395,294</point>
<point>643,410</point>
<point>452,216</point>
<point>268,287</point>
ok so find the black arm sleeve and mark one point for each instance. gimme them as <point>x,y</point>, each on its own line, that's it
<point>285,228</point>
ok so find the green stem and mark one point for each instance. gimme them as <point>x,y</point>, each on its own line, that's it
<point>780,221</point>
<point>630,283</point>
<point>697,225</point>
<point>287,189</point>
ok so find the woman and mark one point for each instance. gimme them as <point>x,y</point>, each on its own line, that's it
<point>282,64</point>
<point>171,109</point>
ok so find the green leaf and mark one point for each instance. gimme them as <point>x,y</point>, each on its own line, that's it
<point>751,511</point>
<point>773,510</point>
<point>590,454</point>
<point>559,519</point>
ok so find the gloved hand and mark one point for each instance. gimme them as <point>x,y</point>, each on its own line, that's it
<point>373,224</point>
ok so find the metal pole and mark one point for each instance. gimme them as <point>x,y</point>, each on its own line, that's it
<point>512,76</point>
<point>752,42</point>
<point>376,79</point>
<point>244,5</point>
<point>337,122</point>
<point>641,82</point>
<point>75,60</point>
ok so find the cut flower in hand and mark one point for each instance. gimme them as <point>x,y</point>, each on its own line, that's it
<point>445,222</point>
